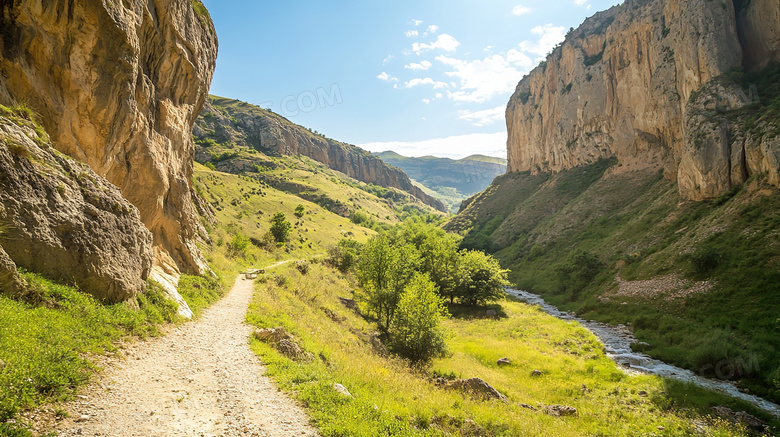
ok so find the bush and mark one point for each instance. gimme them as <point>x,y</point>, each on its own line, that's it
<point>344,256</point>
<point>579,270</point>
<point>302,266</point>
<point>237,246</point>
<point>704,261</point>
<point>415,332</point>
<point>300,211</point>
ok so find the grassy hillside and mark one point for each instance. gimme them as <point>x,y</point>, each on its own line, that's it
<point>699,282</point>
<point>391,398</point>
<point>449,180</point>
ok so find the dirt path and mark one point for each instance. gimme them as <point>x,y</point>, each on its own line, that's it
<point>199,380</point>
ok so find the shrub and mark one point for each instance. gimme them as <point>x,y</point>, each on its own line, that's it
<point>300,211</point>
<point>579,270</point>
<point>704,261</point>
<point>344,256</point>
<point>302,266</point>
<point>480,279</point>
<point>238,244</point>
<point>416,332</point>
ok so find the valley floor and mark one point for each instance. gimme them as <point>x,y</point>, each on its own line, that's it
<point>202,379</point>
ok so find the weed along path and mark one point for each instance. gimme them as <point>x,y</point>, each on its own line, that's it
<point>199,380</point>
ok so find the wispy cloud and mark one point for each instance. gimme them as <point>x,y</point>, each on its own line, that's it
<point>412,33</point>
<point>425,81</point>
<point>549,36</point>
<point>485,117</point>
<point>423,65</point>
<point>445,42</point>
<point>386,77</point>
<point>416,23</point>
<point>522,10</point>
<point>482,79</point>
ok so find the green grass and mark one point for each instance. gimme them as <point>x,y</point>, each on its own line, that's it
<point>390,398</point>
<point>640,228</point>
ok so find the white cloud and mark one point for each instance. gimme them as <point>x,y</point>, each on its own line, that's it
<point>433,28</point>
<point>424,65</point>
<point>426,101</point>
<point>439,95</point>
<point>387,78</point>
<point>549,37</point>
<point>412,33</point>
<point>416,23</point>
<point>580,2</point>
<point>387,59</point>
<point>485,117</point>
<point>455,147</point>
<point>522,10</point>
<point>444,42</point>
<point>425,81</point>
<point>482,79</point>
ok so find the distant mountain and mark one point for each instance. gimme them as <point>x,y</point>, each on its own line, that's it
<point>450,180</point>
<point>225,126</point>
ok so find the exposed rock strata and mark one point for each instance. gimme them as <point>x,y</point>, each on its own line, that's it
<point>61,219</point>
<point>118,86</point>
<point>230,121</point>
<point>621,85</point>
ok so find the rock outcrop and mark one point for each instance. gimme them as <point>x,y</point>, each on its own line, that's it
<point>118,86</point>
<point>228,121</point>
<point>628,83</point>
<point>61,219</point>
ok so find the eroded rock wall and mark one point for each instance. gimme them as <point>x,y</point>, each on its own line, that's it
<point>61,219</point>
<point>118,86</point>
<point>621,85</point>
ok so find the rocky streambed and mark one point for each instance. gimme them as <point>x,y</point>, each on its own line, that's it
<point>617,342</point>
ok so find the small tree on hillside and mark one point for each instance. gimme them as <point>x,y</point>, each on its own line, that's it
<point>480,279</point>
<point>280,228</point>
<point>416,332</point>
<point>299,211</point>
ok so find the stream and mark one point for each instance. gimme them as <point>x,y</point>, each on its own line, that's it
<point>617,345</point>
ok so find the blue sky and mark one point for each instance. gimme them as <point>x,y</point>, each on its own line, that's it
<point>418,77</point>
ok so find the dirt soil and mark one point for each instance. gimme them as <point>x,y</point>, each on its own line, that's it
<point>199,380</point>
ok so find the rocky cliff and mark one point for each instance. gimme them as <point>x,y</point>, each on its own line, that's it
<point>59,218</point>
<point>657,84</point>
<point>231,122</point>
<point>118,86</point>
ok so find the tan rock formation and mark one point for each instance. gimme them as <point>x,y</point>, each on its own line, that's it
<point>620,85</point>
<point>61,219</point>
<point>118,86</point>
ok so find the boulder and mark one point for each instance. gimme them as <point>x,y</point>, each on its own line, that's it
<point>503,362</point>
<point>475,387</point>
<point>560,410</point>
<point>341,389</point>
<point>11,284</point>
<point>742,417</point>
<point>284,342</point>
<point>536,373</point>
<point>491,313</point>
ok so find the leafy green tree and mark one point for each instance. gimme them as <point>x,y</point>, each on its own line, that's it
<point>300,211</point>
<point>384,270</point>
<point>480,278</point>
<point>438,253</point>
<point>280,228</point>
<point>416,332</point>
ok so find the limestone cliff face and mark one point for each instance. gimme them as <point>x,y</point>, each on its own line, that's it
<point>230,121</point>
<point>61,219</point>
<point>118,86</point>
<point>621,85</point>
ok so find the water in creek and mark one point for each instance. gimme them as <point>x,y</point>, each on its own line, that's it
<point>617,344</point>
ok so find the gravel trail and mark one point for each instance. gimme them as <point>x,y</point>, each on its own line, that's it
<point>201,379</point>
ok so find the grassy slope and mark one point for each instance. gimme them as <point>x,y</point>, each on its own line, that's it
<point>392,399</point>
<point>641,229</point>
